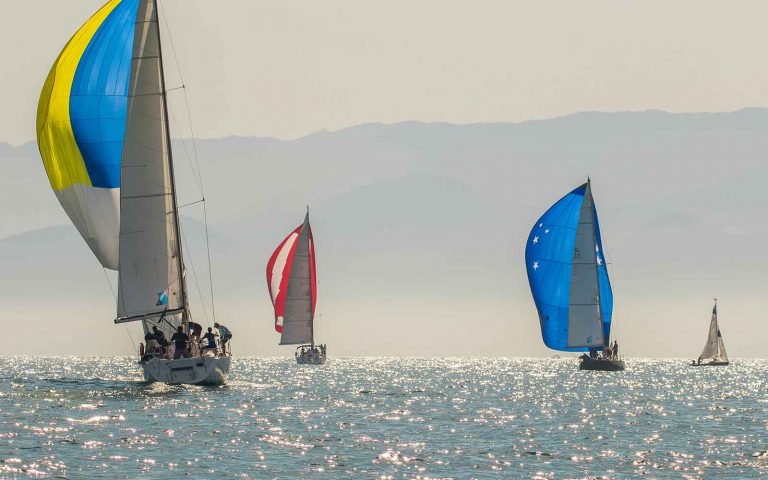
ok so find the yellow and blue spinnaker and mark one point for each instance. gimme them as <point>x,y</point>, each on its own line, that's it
<point>81,118</point>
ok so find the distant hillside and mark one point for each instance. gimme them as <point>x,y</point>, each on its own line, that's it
<point>420,230</point>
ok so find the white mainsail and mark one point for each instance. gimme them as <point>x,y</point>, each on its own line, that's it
<point>714,348</point>
<point>298,316</point>
<point>585,326</point>
<point>150,265</point>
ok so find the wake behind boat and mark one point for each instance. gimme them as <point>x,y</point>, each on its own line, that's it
<point>569,281</point>
<point>104,137</point>
<point>292,284</point>
<point>714,354</point>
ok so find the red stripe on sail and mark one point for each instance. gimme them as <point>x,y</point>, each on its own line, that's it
<point>312,269</point>
<point>279,297</point>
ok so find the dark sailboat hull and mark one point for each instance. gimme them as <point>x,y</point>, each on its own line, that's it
<point>602,364</point>
<point>710,364</point>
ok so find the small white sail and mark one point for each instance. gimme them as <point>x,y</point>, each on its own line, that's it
<point>150,271</point>
<point>721,347</point>
<point>714,349</point>
<point>585,327</point>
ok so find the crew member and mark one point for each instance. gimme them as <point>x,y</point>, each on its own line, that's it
<point>225,336</point>
<point>179,340</point>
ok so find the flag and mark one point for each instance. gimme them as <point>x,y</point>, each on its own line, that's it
<point>162,298</point>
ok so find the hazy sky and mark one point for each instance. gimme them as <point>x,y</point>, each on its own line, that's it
<point>288,68</point>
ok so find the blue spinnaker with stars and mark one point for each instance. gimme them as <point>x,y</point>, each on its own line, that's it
<point>567,274</point>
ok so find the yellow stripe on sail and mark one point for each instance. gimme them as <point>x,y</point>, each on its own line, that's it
<point>56,140</point>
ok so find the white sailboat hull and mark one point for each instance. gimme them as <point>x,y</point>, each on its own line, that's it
<point>192,371</point>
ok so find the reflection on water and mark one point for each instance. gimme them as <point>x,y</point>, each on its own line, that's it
<point>386,418</point>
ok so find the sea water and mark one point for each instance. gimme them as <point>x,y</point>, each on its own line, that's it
<point>386,418</point>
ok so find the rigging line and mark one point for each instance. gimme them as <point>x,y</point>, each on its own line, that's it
<point>210,270</point>
<point>109,282</point>
<point>187,156</point>
<point>205,204</point>
<point>196,156</point>
<point>114,294</point>
<point>170,40</point>
<point>173,113</point>
<point>192,203</point>
<point>194,274</point>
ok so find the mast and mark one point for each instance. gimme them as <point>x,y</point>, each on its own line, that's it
<point>717,328</point>
<point>606,340</point>
<point>175,212</point>
<point>311,297</point>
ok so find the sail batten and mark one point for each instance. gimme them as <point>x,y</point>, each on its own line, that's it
<point>567,274</point>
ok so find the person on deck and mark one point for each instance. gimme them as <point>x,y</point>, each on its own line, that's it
<point>151,342</point>
<point>159,336</point>
<point>616,348</point>
<point>180,342</point>
<point>211,338</point>
<point>225,336</point>
<point>195,329</point>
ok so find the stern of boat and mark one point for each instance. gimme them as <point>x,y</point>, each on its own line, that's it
<point>305,355</point>
<point>206,370</point>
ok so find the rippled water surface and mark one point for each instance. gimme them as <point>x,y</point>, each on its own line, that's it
<point>386,418</point>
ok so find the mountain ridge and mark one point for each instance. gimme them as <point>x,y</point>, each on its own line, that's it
<point>420,229</point>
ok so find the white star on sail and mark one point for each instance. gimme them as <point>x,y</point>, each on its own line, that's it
<point>535,239</point>
<point>535,265</point>
<point>541,225</point>
<point>599,261</point>
<point>546,231</point>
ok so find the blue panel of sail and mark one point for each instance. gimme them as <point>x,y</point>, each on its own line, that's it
<point>606,294</point>
<point>98,103</point>
<point>549,262</point>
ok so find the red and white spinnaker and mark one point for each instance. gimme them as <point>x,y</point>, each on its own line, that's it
<point>291,280</point>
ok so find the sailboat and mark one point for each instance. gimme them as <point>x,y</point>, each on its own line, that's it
<point>292,284</point>
<point>714,353</point>
<point>103,135</point>
<point>569,281</point>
